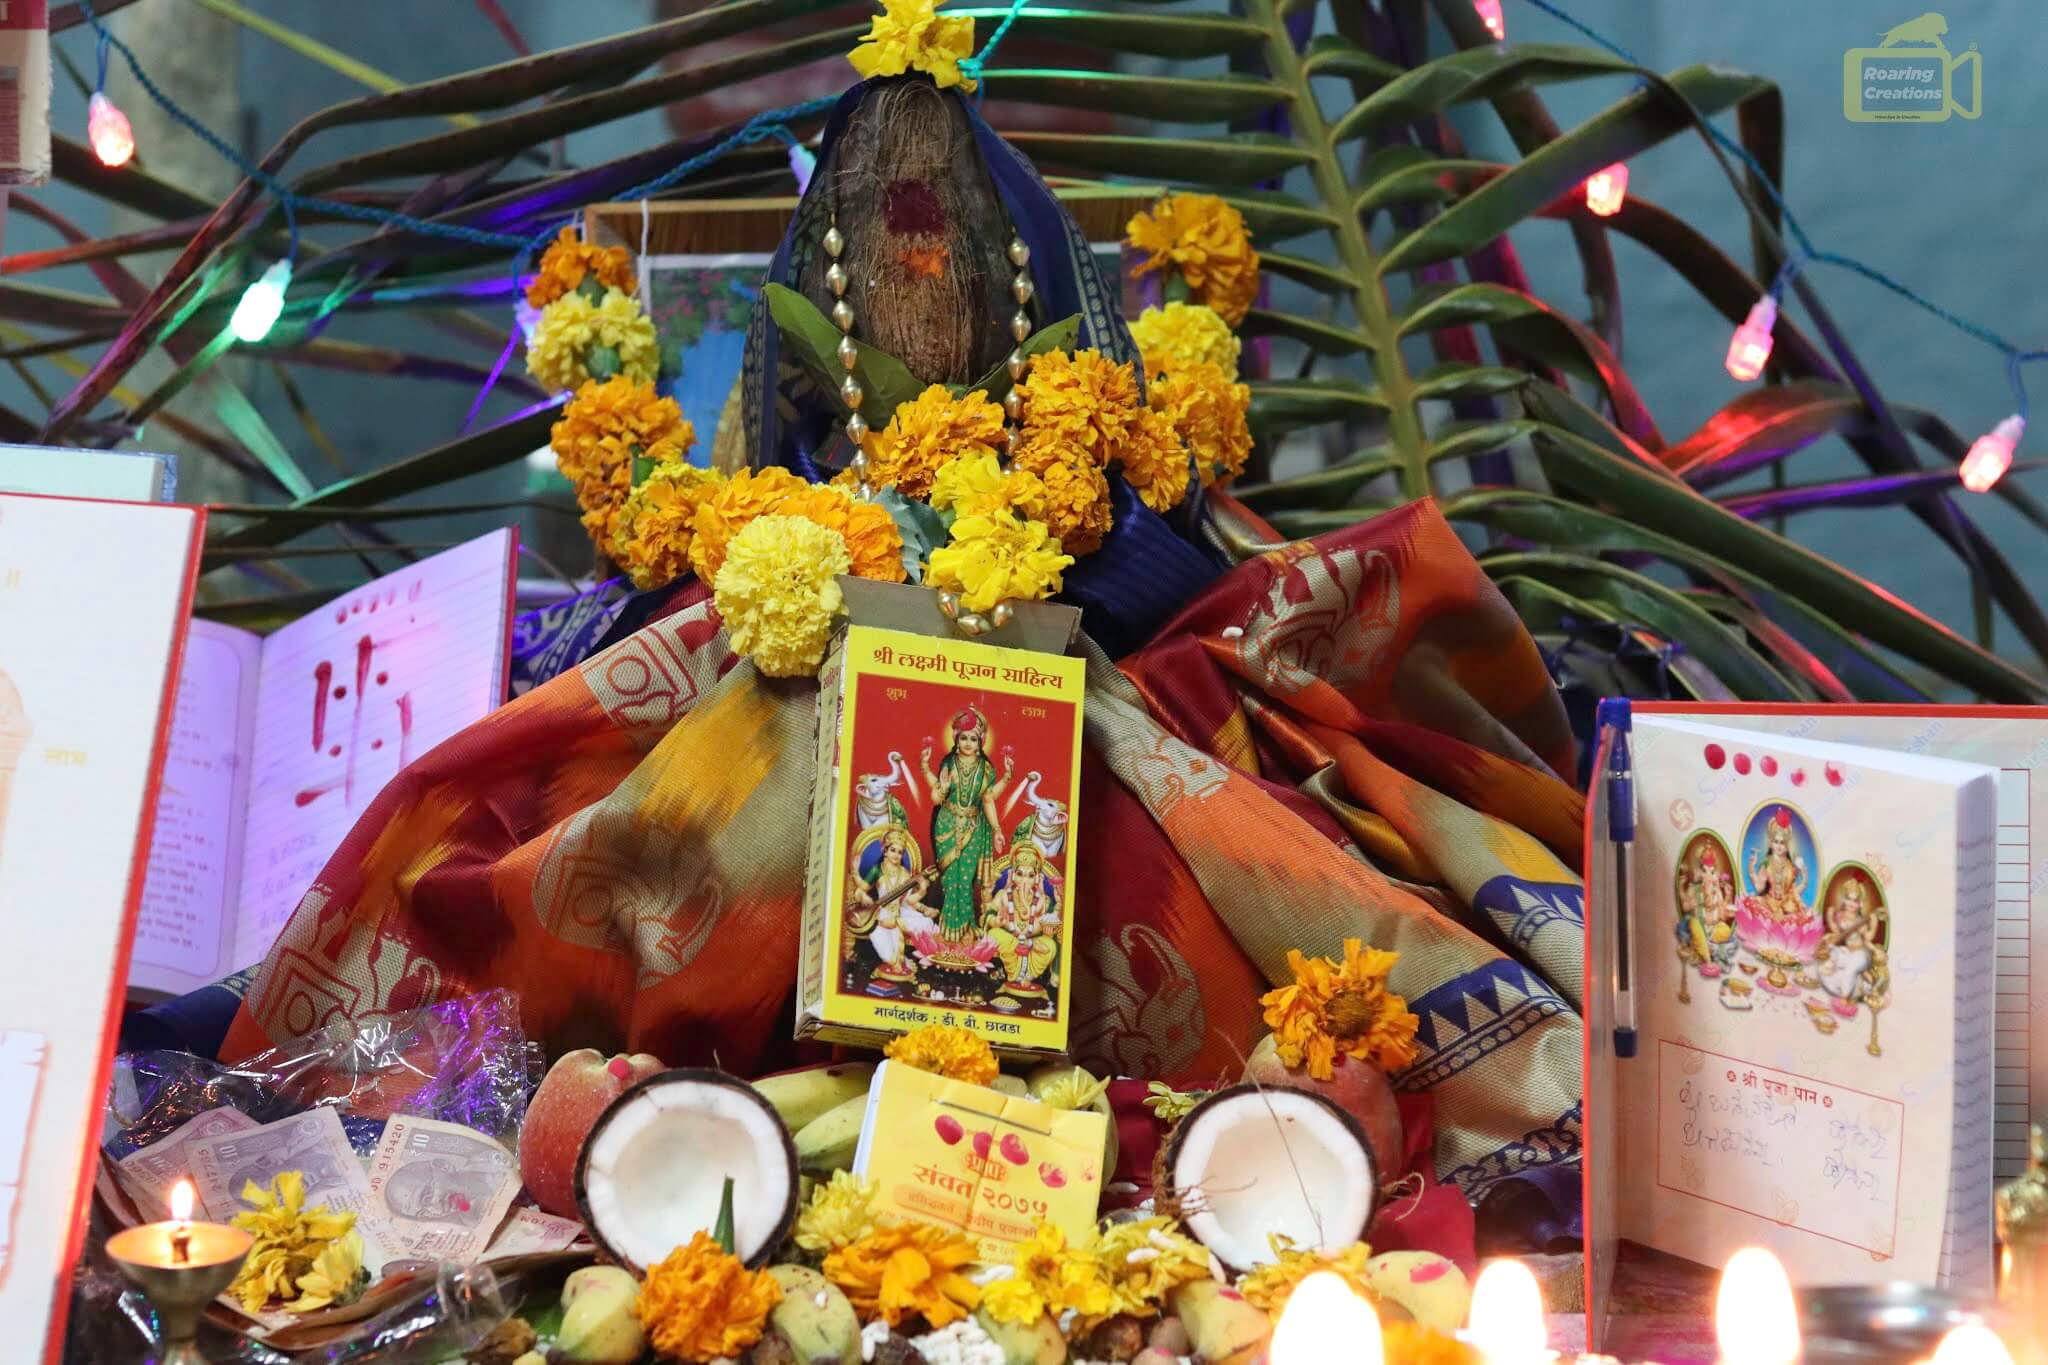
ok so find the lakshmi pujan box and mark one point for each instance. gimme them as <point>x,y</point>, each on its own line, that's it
<point>942,856</point>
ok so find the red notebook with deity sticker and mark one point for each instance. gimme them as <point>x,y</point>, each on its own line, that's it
<point>1829,929</point>
<point>941,869</point>
<point>94,598</point>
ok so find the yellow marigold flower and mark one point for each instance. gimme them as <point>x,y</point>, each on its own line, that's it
<point>701,1304</point>
<point>1048,1276</point>
<point>1182,334</point>
<point>1076,494</point>
<point>1154,461</point>
<point>1208,411</point>
<point>288,1238</point>
<point>778,592</point>
<point>907,1270</point>
<point>1205,240</point>
<point>561,339</point>
<point>1084,397</point>
<point>927,432</point>
<point>841,1212</point>
<point>909,36</point>
<point>1145,1260</point>
<point>978,486</point>
<point>1270,1286</point>
<point>1332,1009</point>
<point>873,540</point>
<point>569,260</point>
<point>334,1276</point>
<point>656,520</point>
<point>745,496</point>
<point>625,327</point>
<point>991,558</point>
<point>958,1054</point>
<point>1410,1343</point>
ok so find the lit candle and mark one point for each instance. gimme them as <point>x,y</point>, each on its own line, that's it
<point>1972,1345</point>
<point>181,1222</point>
<point>1507,1316</point>
<point>1755,1322</point>
<point>180,1265</point>
<point>1325,1321</point>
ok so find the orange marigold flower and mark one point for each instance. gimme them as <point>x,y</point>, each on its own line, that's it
<point>569,260</point>
<point>1085,397</point>
<point>1076,494</point>
<point>1341,1008</point>
<point>1206,241</point>
<point>1410,1343</point>
<point>927,432</point>
<point>600,433</point>
<point>748,494</point>
<point>701,1304</point>
<point>1154,461</point>
<point>1208,411</point>
<point>655,522</point>
<point>871,534</point>
<point>958,1054</point>
<point>907,1270</point>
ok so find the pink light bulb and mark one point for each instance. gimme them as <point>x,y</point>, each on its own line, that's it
<point>1991,455</point>
<point>1750,349</point>
<point>113,141</point>
<point>1605,190</point>
<point>1490,15</point>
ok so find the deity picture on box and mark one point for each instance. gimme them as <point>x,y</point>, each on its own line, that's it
<point>957,857</point>
<point>1768,926</point>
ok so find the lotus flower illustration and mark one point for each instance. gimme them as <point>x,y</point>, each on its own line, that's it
<point>1785,944</point>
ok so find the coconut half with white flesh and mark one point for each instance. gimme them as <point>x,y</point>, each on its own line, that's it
<point>654,1168</point>
<point>1248,1165</point>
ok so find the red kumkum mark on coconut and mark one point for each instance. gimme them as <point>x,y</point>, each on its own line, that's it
<point>912,207</point>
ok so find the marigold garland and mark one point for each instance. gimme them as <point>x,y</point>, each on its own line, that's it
<point>1077,510</point>
<point>977,485</point>
<point>958,1054</point>
<point>569,261</point>
<point>602,430</point>
<point>1205,240</point>
<point>1084,398</point>
<point>907,1270</point>
<point>1346,1008</point>
<point>908,35</point>
<point>746,495</point>
<point>656,521</point>
<point>573,333</point>
<point>1183,334</point>
<point>874,542</point>
<point>778,592</point>
<point>1271,1285</point>
<point>989,559</point>
<point>1208,410</point>
<point>699,1303</point>
<point>926,433</point>
<point>1154,461</point>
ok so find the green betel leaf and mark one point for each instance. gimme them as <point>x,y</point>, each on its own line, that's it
<point>884,380</point>
<point>923,529</point>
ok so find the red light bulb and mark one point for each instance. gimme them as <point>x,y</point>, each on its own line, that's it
<point>1606,190</point>
<point>1991,455</point>
<point>1750,349</point>
<point>113,141</point>
<point>1490,15</point>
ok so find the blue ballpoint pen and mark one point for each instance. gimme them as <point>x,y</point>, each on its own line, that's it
<point>1621,832</point>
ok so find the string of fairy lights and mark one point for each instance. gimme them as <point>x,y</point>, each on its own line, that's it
<point>1606,192</point>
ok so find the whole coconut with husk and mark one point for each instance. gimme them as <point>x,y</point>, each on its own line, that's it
<point>1360,1089</point>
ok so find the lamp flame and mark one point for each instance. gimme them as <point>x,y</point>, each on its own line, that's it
<point>181,1201</point>
<point>1754,1318</point>
<point>1507,1315</point>
<point>1324,1320</point>
<point>1972,1345</point>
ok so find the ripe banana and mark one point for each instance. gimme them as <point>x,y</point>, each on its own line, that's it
<point>802,1097</point>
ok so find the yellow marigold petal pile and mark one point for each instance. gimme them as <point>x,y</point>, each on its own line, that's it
<point>958,1054</point>
<point>907,1270</point>
<point>1145,1260</point>
<point>1208,412</point>
<point>1271,1285</point>
<point>1183,334</point>
<point>1334,1009</point>
<point>928,432</point>
<point>841,1212</point>
<point>908,35</point>
<point>1048,1276</point>
<point>701,1304</point>
<point>309,1257</point>
<point>1205,240</point>
<point>989,559</point>
<point>569,260</point>
<point>778,592</point>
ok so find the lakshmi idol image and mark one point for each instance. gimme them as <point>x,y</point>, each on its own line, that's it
<point>966,831</point>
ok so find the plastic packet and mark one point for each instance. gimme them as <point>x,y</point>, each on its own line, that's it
<point>450,1317</point>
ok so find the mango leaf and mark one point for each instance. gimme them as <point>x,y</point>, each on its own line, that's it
<point>1480,73</point>
<point>1639,122</point>
<point>884,380</point>
<point>1058,336</point>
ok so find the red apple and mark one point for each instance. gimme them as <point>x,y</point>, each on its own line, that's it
<point>563,1111</point>
<point>1360,1089</point>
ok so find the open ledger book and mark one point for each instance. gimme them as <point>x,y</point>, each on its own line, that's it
<point>279,743</point>
<point>1814,952</point>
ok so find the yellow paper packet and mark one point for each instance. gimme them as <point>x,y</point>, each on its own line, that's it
<point>976,1160</point>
